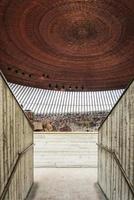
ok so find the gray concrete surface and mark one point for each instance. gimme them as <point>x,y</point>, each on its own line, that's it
<point>65,184</point>
<point>65,150</point>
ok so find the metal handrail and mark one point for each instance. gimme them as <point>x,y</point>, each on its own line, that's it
<point>4,192</point>
<point>112,152</point>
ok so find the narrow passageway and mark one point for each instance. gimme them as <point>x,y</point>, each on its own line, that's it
<point>65,184</point>
<point>65,167</point>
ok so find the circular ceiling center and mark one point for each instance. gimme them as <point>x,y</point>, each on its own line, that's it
<point>80,32</point>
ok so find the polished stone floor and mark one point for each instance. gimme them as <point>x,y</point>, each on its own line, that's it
<point>65,184</point>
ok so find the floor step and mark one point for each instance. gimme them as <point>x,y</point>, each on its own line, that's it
<point>65,150</point>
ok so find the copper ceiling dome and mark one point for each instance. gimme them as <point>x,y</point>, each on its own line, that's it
<point>69,44</point>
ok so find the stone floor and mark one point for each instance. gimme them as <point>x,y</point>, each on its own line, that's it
<point>65,184</point>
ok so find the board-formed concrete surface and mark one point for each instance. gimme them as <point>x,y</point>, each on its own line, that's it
<point>65,184</point>
<point>65,150</point>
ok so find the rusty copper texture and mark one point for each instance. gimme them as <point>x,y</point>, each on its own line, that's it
<point>67,44</point>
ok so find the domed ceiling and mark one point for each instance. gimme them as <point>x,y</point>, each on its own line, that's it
<point>67,44</point>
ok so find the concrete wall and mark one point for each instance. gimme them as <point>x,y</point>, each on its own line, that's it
<point>117,135</point>
<point>15,136</point>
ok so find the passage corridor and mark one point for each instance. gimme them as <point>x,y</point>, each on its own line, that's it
<point>65,167</point>
<point>66,184</point>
